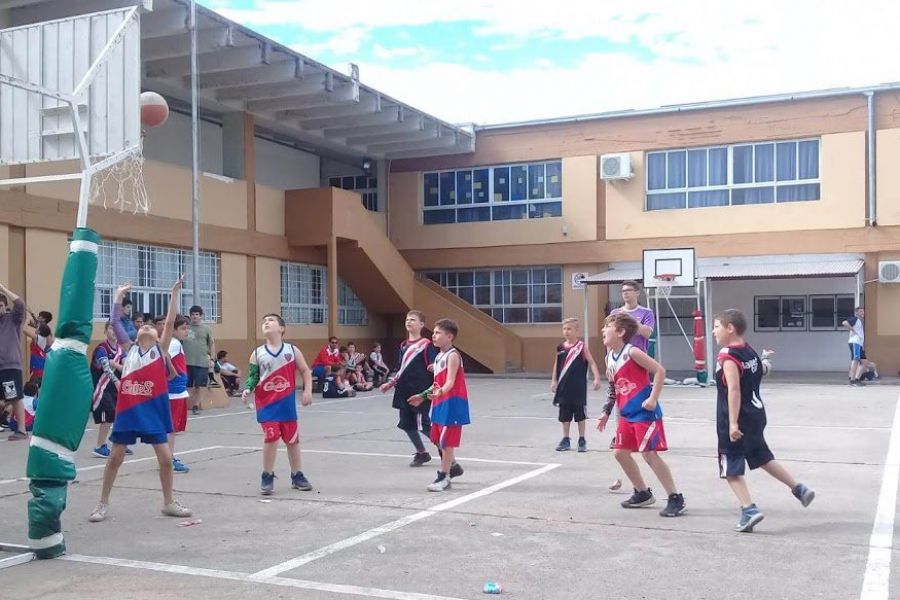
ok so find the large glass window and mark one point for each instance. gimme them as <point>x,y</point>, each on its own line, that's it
<point>763,173</point>
<point>152,270</point>
<point>304,297</point>
<point>530,191</point>
<point>521,295</point>
<point>365,186</point>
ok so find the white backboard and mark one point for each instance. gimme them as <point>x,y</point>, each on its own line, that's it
<point>56,55</point>
<point>679,262</point>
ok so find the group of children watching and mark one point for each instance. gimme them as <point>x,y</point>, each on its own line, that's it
<point>343,371</point>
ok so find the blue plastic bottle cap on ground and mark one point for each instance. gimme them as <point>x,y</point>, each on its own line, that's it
<point>492,588</point>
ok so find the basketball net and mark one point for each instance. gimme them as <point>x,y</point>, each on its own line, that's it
<point>121,186</point>
<point>664,284</point>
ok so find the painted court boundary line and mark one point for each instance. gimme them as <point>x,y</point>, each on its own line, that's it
<point>877,580</point>
<point>354,590</point>
<point>385,455</point>
<point>395,525</point>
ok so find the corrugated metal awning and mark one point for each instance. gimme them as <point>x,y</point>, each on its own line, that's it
<point>615,276</point>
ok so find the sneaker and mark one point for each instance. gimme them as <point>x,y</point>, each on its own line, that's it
<point>101,451</point>
<point>195,410</point>
<point>299,482</point>
<point>440,484</point>
<point>674,506</point>
<point>564,444</point>
<point>750,517</point>
<point>639,499</point>
<point>456,470</point>
<point>267,485</point>
<point>174,509</point>
<point>128,451</point>
<point>582,445</point>
<point>178,466</point>
<point>420,459</point>
<point>803,494</point>
<point>15,436</point>
<point>99,513</point>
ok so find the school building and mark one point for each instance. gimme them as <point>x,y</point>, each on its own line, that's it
<point>341,208</point>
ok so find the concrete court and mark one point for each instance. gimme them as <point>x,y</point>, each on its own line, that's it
<point>540,522</point>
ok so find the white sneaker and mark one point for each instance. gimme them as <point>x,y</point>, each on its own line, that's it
<point>174,509</point>
<point>440,484</point>
<point>99,513</point>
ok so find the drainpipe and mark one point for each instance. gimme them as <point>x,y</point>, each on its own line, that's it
<point>870,143</point>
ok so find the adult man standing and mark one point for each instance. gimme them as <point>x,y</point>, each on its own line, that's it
<point>856,342</point>
<point>12,315</point>
<point>631,291</point>
<point>198,348</point>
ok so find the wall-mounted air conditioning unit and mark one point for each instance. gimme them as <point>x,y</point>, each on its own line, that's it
<point>615,166</point>
<point>889,271</point>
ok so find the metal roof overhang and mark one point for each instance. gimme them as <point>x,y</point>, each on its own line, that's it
<point>743,269</point>
<point>300,101</point>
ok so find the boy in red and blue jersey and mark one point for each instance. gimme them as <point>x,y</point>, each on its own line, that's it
<point>449,403</point>
<point>178,392</point>
<point>273,380</point>
<point>640,426</point>
<point>142,407</point>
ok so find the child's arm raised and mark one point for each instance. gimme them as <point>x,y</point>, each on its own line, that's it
<point>115,317</point>
<point>659,375</point>
<point>733,379</point>
<point>168,327</point>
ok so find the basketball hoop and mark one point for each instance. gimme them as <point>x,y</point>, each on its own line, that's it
<point>121,185</point>
<point>664,284</point>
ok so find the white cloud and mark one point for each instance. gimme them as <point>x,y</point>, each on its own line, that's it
<point>383,53</point>
<point>345,43</point>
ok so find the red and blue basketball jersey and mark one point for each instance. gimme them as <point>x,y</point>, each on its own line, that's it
<point>178,385</point>
<point>451,408</point>
<point>632,383</point>
<point>37,359</point>
<point>143,404</point>
<point>276,392</point>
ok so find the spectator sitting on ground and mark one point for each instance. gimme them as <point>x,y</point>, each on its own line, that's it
<point>230,374</point>
<point>29,400</point>
<point>356,369</point>
<point>329,355</point>
<point>335,386</point>
<point>376,361</point>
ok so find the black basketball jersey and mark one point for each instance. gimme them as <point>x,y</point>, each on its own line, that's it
<point>752,417</point>
<point>571,373</point>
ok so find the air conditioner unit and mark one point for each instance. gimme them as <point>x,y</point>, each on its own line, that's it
<point>615,166</point>
<point>889,271</point>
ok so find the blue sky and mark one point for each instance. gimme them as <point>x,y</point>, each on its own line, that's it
<point>489,61</point>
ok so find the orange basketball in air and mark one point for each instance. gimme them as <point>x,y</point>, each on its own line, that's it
<point>154,110</point>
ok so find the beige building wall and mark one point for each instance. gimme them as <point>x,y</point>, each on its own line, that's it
<point>4,255</point>
<point>45,260</point>
<point>578,223</point>
<point>842,205</point>
<point>269,210</point>
<point>888,176</point>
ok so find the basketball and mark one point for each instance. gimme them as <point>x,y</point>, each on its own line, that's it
<point>154,110</point>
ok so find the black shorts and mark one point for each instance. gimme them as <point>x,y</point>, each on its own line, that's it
<point>415,417</point>
<point>569,413</point>
<point>198,377</point>
<point>106,409</point>
<point>11,384</point>
<point>731,464</point>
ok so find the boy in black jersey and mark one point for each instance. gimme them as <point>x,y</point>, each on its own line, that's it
<point>569,383</point>
<point>741,417</point>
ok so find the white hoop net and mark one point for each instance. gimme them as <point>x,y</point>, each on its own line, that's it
<point>664,285</point>
<point>121,186</point>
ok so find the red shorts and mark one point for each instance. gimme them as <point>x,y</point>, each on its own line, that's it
<point>446,436</point>
<point>640,436</point>
<point>285,430</point>
<point>179,414</point>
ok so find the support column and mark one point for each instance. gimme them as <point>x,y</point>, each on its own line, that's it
<point>332,286</point>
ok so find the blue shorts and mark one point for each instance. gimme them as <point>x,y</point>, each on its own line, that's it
<point>732,464</point>
<point>129,438</point>
<point>857,352</point>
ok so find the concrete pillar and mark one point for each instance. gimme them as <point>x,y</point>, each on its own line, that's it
<point>332,286</point>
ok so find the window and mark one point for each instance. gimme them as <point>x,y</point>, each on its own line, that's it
<point>153,270</point>
<point>763,173</point>
<point>768,311</point>
<point>304,297</point>
<point>523,295</point>
<point>780,313</point>
<point>365,186</point>
<point>530,191</point>
<point>827,311</point>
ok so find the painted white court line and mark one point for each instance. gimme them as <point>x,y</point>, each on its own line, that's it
<point>877,579</point>
<point>127,462</point>
<point>394,525</point>
<point>250,412</point>
<point>384,455</point>
<point>352,590</point>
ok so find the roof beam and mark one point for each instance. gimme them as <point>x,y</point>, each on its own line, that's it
<point>421,153</point>
<point>223,60</point>
<point>366,105</point>
<point>172,46</point>
<point>273,73</point>
<point>294,87</point>
<point>401,133</point>
<point>346,94</point>
<point>441,140</point>
<point>163,23</point>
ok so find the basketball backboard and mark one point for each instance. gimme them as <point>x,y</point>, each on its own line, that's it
<point>95,58</point>
<point>678,262</point>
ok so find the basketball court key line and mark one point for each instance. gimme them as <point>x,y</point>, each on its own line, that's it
<point>395,525</point>
<point>336,588</point>
<point>406,456</point>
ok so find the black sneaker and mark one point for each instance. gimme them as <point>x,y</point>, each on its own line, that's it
<point>267,484</point>
<point>582,445</point>
<point>456,470</point>
<point>563,445</point>
<point>299,482</point>
<point>195,410</point>
<point>803,494</point>
<point>639,499</point>
<point>674,506</point>
<point>420,459</point>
